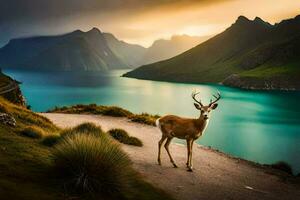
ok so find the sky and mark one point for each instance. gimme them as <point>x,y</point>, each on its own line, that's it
<point>135,21</point>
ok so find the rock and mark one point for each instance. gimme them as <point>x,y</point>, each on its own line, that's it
<point>270,83</point>
<point>7,119</point>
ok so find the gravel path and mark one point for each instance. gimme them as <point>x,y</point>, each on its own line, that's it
<point>216,176</point>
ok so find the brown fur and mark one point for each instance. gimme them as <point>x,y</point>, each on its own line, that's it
<point>183,128</point>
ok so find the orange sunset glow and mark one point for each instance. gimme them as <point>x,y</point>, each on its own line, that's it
<point>202,18</point>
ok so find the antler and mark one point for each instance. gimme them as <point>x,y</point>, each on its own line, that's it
<point>217,98</point>
<point>194,97</point>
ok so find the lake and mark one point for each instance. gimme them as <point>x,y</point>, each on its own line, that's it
<point>259,126</point>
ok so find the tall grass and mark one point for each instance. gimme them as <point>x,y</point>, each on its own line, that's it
<point>85,128</point>
<point>93,109</point>
<point>33,132</point>
<point>89,164</point>
<point>123,137</point>
<point>114,111</point>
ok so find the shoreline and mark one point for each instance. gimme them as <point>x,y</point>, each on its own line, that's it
<point>246,88</point>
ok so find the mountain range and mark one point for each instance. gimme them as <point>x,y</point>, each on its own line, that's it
<point>87,51</point>
<point>251,54</point>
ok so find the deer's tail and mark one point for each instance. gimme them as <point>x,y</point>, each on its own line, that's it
<point>157,123</point>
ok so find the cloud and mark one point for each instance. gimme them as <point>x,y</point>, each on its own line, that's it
<point>140,21</point>
<point>30,17</point>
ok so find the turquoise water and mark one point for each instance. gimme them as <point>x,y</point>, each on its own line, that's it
<point>258,126</point>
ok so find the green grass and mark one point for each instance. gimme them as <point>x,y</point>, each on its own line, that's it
<point>268,71</point>
<point>85,128</point>
<point>114,111</point>
<point>89,164</point>
<point>123,137</point>
<point>33,132</point>
<point>93,109</point>
<point>50,140</point>
<point>26,164</point>
<point>144,118</point>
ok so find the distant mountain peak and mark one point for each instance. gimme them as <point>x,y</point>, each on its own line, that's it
<point>259,20</point>
<point>76,32</point>
<point>242,19</point>
<point>94,30</point>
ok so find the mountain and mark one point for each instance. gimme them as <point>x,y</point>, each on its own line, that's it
<point>130,54</point>
<point>75,51</point>
<point>164,49</point>
<point>250,54</point>
<point>87,51</point>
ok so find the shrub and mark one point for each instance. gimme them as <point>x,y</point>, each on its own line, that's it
<point>115,111</point>
<point>85,128</point>
<point>93,109</point>
<point>123,137</point>
<point>33,132</point>
<point>283,166</point>
<point>88,164</point>
<point>144,118</point>
<point>50,140</point>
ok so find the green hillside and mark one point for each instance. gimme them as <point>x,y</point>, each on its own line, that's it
<point>28,168</point>
<point>250,54</point>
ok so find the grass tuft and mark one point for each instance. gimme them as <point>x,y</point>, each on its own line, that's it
<point>123,137</point>
<point>50,140</point>
<point>144,118</point>
<point>93,109</point>
<point>88,164</point>
<point>114,111</point>
<point>33,132</point>
<point>283,166</point>
<point>85,128</point>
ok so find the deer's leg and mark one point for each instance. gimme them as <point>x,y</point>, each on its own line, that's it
<point>161,141</point>
<point>191,154</point>
<point>167,148</point>
<point>189,146</point>
<point>188,152</point>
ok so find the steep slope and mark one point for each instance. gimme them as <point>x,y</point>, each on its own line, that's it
<point>164,49</point>
<point>130,54</point>
<point>250,54</point>
<point>76,51</point>
<point>10,90</point>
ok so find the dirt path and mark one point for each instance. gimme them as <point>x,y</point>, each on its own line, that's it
<point>216,176</point>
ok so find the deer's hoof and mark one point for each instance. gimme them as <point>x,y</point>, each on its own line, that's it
<point>190,169</point>
<point>175,166</point>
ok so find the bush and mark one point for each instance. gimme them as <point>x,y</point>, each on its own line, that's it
<point>33,132</point>
<point>85,128</point>
<point>50,140</point>
<point>115,111</point>
<point>93,109</point>
<point>123,137</point>
<point>144,118</point>
<point>88,164</point>
<point>283,166</point>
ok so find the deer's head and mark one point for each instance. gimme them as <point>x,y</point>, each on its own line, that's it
<point>205,110</point>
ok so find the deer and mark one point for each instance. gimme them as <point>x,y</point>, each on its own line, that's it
<point>185,128</point>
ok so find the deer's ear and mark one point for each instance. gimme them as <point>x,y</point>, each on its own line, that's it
<point>197,106</point>
<point>214,106</point>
